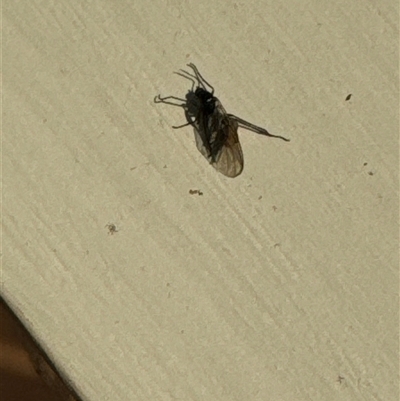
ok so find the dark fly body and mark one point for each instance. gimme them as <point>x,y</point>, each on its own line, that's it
<point>216,131</point>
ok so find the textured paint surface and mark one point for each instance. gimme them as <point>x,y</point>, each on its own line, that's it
<point>279,285</point>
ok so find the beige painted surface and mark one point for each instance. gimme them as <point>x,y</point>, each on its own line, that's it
<point>280,284</point>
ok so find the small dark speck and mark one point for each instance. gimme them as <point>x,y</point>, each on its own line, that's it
<point>340,379</point>
<point>112,229</point>
<point>348,97</point>
<point>365,164</point>
<point>370,173</point>
<point>195,191</point>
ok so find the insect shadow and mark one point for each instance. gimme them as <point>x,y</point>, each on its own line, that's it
<point>216,131</point>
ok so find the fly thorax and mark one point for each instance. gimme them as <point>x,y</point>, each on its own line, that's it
<point>206,100</point>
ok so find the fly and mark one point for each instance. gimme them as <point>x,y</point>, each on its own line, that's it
<point>216,131</point>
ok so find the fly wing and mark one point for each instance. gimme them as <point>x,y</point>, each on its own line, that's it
<point>201,137</point>
<point>217,140</point>
<point>229,159</point>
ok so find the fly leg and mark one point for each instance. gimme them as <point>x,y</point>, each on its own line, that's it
<point>251,127</point>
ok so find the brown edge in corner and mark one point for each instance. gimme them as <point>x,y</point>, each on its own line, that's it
<point>42,364</point>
